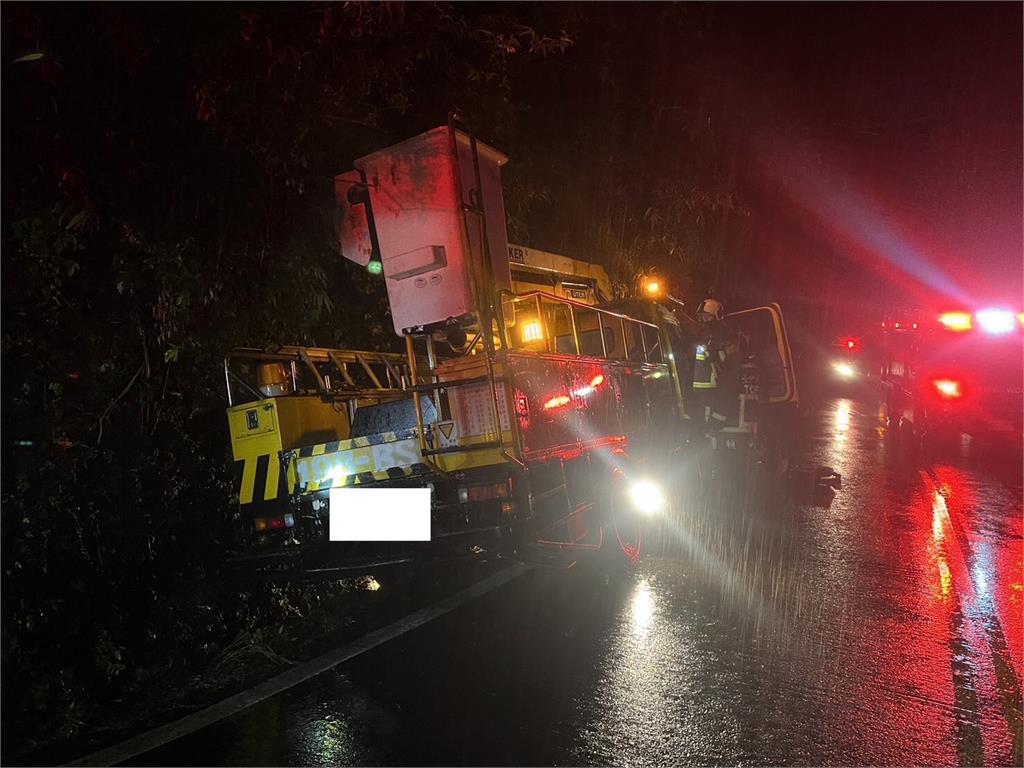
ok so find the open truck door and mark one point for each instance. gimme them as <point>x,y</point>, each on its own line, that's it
<point>766,331</point>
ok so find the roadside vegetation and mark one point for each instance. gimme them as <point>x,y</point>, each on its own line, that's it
<point>167,195</point>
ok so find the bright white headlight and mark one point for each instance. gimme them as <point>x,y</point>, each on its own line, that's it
<point>845,370</point>
<point>647,497</point>
<point>996,320</point>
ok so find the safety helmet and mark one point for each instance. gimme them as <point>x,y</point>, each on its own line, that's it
<point>711,309</point>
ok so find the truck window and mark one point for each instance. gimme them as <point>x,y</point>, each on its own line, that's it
<point>558,321</point>
<point>589,329</point>
<point>655,354</point>
<point>634,341</point>
<point>613,341</point>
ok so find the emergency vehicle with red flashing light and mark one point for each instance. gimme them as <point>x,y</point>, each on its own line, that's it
<point>532,410</point>
<point>953,372</point>
<point>847,363</point>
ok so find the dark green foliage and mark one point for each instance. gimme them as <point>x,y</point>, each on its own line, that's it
<point>168,194</point>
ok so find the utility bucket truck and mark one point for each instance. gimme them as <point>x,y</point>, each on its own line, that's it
<point>534,412</point>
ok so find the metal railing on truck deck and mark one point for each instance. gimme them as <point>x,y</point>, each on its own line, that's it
<point>317,370</point>
<point>360,382</point>
<point>293,403</point>
<point>551,324</point>
<point>545,326</point>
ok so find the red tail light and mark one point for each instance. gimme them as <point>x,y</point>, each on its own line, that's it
<point>487,492</point>
<point>948,389</point>
<point>274,523</point>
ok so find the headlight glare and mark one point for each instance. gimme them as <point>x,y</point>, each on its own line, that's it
<point>846,370</point>
<point>646,497</point>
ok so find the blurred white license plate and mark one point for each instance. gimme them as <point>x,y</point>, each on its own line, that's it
<point>380,514</point>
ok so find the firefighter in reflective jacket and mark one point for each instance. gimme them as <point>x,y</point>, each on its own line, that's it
<point>708,360</point>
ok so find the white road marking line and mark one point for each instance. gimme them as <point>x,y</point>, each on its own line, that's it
<point>167,733</point>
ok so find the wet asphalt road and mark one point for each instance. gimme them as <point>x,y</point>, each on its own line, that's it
<point>884,629</point>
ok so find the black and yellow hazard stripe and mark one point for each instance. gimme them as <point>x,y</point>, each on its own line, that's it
<point>266,477</point>
<point>357,448</point>
<point>362,478</point>
<point>261,478</point>
<point>354,442</point>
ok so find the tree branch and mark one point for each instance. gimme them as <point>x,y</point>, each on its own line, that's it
<point>116,400</point>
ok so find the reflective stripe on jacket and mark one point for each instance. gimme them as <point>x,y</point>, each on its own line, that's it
<point>705,375</point>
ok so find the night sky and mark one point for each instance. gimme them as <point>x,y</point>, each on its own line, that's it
<point>875,147</point>
<point>888,136</point>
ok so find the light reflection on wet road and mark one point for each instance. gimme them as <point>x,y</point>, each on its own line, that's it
<point>885,629</point>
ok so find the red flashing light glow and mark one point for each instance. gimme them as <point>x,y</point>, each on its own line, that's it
<point>559,400</point>
<point>850,344</point>
<point>948,389</point>
<point>956,321</point>
<point>589,389</point>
